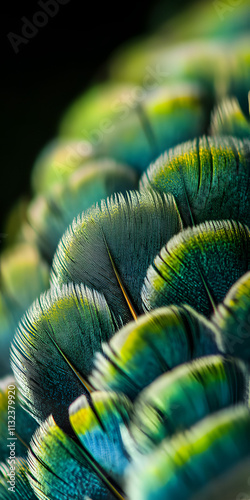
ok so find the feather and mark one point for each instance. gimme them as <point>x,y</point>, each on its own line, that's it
<point>220,67</point>
<point>196,27</point>
<point>93,111</point>
<point>228,119</point>
<point>181,467</point>
<point>60,469</point>
<point>189,61</point>
<point>50,215</point>
<point>122,235</point>
<point>174,114</point>
<point>97,425</point>
<point>209,178</point>
<point>232,318</point>
<point>53,349</point>
<point>154,344</point>
<point>20,488</point>
<point>15,424</point>
<point>180,398</point>
<point>197,264</point>
<point>24,275</point>
<point>134,126</point>
<point>57,161</point>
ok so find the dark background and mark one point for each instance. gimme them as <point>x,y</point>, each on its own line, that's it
<point>54,67</point>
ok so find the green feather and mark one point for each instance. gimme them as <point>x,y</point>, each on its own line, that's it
<point>186,36</point>
<point>198,266</point>
<point>92,114</point>
<point>209,179</point>
<point>134,125</point>
<point>53,349</point>
<point>154,344</point>
<point>220,67</point>
<point>183,466</point>
<point>182,397</point>
<point>114,244</point>
<point>168,115</point>
<point>232,318</point>
<point>51,214</point>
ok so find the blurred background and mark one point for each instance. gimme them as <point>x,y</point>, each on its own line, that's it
<point>42,74</point>
<point>53,68</point>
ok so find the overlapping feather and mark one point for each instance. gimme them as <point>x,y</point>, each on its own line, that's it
<point>154,344</point>
<point>113,244</point>
<point>183,466</point>
<point>198,266</point>
<point>172,369</point>
<point>49,216</point>
<point>52,353</point>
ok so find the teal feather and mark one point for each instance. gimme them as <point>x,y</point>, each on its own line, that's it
<point>21,489</point>
<point>154,344</point>
<point>64,326</point>
<point>209,178</point>
<point>123,234</point>
<point>59,468</point>
<point>198,266</point>
<point>183,466</point>
<point>97,425</point>
<point>180,398</point>
<point>169,115</point>
<point>50,215</point>
<point>232,318</point>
